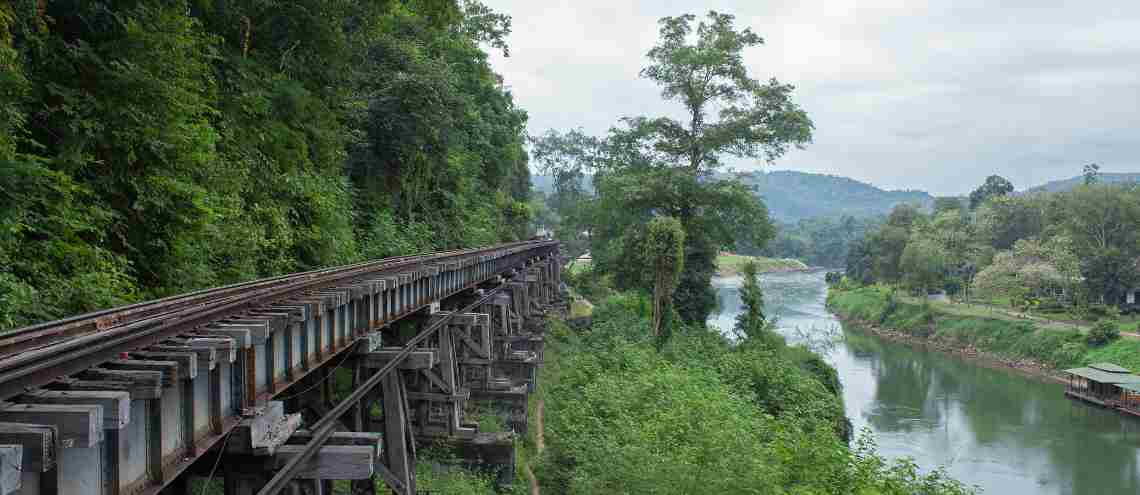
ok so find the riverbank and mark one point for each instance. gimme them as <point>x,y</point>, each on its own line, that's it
<point>730,264</point>
<point>1027,346</point>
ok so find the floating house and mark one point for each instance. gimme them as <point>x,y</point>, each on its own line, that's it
<point>1104,384</point>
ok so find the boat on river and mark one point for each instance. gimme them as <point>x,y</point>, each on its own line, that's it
<point>1105,384</point>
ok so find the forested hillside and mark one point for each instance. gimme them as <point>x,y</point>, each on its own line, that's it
<point>1072,182</point>
<point>792,196</point>
<point>1068,252</point>
<point>152,147</point>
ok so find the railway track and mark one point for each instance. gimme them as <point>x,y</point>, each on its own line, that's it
<point>177,375</point>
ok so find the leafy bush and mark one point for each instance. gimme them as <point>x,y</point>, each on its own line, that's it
<point>700,415</point>
<point>1103,332</point>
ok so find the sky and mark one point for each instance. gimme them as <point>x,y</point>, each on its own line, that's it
<point>932,95</point>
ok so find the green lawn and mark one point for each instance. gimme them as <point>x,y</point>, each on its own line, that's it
<point>729,264</point>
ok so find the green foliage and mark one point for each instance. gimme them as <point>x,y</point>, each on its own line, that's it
<point>434,477</point>
<point>1103,332</point>
<point>1010,339</point>
<point>1069,248</point>
<point>179,145</point>
<point>650,167</point>
<point>820,241</point>
<point>698,415</point>
<point>752,323</point>
<point>993,187</point>
<point>1125,352</point>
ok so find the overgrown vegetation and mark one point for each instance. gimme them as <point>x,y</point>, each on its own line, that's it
<point>660,166</point>
<point>699,414</point>
<point>1009,338</point>
<point>152,147</point>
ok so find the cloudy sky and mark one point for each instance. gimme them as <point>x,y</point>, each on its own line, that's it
<point>932,95</point>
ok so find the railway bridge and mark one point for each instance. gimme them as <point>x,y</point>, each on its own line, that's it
<point>281,385</point>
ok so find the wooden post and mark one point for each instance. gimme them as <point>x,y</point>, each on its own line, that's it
<point>399,463</point>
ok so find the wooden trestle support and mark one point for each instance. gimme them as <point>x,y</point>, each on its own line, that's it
<point>234,401</point>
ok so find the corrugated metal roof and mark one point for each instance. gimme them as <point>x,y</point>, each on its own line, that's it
<point>1110,367</point>
<point>1135,387</point>
<point>1104,377</point>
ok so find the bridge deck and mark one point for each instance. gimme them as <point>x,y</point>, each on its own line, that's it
<point>137,400</point>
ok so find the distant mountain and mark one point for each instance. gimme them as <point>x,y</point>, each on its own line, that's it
<point>791,196</point>
<point>1067,184</point>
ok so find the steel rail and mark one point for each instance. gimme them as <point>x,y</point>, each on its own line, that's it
<point>47,364</point>
<point>326,426</point>
<point>31,337</point>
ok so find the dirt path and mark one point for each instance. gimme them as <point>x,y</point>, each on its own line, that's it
<point>539,446</point>
<point>539,436</point>
<point>533,481</point>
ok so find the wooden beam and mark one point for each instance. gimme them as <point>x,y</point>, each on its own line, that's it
<point>116,404</point>
<point>142,384</point>
<point>265,432</point>
<point>187,361</point>
<point>332,462</point>
<point>11,457</point>
<point>38,441</point>
<point>169,369</point>
<point>78,425</point>
<point>395,432</point>
<point>416,360</point>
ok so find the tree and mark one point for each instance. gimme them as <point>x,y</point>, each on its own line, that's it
<point>1101,220</point>
<point>571,158</point>
<point>887,248</point>
<point>150,147</point>
<point>752,320</point>
<point>707,71</point>
<point>993,186</point>
<point>649,167</point>
<point>665,244</point>
<point>1003,220</point>
<point>923,264</point>
<point>701,66</point>
<point>1091,174</point>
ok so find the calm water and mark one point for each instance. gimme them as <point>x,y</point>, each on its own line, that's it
<point>1002,431</point>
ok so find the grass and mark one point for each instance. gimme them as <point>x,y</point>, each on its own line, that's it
<point>729,264</point>
<point>579,266</point>
<point>580,308</point>
<point>1056,344</point>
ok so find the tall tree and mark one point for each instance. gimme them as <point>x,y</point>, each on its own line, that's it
<point>704,71</point>
<point>994,185</point>
<point>700,64</point>
<point>1101,220</point>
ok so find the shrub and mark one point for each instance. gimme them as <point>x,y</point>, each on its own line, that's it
<point>952,286</point>
<point>1103,332</point>
<point>833,278</point>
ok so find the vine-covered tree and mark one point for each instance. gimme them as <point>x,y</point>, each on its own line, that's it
<point>665,243</point>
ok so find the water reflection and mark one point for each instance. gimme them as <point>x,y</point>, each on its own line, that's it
<point>998,429</point>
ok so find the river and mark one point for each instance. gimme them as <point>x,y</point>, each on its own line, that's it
<point>997,429</point>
